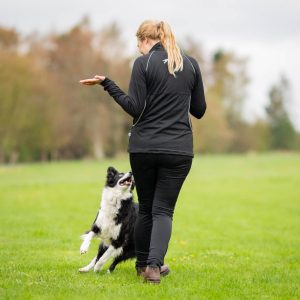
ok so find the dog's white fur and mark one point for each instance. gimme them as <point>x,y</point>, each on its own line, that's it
<point>110,204</point>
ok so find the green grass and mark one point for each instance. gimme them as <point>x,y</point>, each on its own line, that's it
<point>236,232</point>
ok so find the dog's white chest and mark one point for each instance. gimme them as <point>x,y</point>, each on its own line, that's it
<point>110,205</point>
<point>109,229</point>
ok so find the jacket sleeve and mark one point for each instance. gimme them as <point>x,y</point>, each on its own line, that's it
<point>134,102</point>
<point>198,103</point>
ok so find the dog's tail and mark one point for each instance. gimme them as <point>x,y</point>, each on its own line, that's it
<point>83,236</point>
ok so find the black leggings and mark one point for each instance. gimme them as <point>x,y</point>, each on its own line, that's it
<point>158,178</point>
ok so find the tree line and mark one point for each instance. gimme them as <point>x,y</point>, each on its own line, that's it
<point>45,114</point>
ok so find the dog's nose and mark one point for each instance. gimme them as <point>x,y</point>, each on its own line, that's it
<point>130,172</point>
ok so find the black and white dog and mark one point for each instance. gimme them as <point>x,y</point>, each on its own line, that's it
<point>114,223</point>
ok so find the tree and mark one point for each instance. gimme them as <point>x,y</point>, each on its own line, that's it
<point>230,80</point>
<point>24,126</point>
<point>9,39</point>
<point>283,134</point>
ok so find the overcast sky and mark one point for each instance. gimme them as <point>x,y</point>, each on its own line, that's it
<point>265,31</point>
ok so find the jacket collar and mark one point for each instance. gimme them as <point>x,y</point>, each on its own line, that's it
<point>157,46</point>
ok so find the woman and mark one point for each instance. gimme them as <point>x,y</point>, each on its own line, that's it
<point>165,86</point>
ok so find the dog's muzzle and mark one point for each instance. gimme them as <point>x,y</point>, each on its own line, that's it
<point>127,180</point>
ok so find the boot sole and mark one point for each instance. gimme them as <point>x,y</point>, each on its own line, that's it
<point>152,281</point>
<point>165,273</point>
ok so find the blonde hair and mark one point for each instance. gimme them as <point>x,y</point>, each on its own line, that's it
<point>162,31</point>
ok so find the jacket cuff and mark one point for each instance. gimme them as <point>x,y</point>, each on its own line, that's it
<point>105,82</point>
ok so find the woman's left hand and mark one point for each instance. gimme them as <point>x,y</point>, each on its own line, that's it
<point>91,81</point>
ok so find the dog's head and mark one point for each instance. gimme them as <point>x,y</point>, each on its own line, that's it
<point>123,181</point>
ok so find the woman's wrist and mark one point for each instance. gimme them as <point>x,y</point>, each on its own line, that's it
<point>103,82</point>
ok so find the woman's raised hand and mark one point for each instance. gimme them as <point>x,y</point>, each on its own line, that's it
<point>91,81</point>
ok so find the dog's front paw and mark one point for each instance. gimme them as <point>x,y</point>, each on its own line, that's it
<point>84,248</point>
<point>97,268</point>
<point>83,270</point>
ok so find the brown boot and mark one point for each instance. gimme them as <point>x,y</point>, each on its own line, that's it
<point>140,270</point>
<point>164,270</point>
<point>152,274</point>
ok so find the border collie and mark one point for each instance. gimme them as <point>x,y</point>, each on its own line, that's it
<point>114,223</point>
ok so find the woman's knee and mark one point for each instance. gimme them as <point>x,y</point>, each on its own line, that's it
<point>160,211</point>
<point>145,210</point>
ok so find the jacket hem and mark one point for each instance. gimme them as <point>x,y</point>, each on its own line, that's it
<point>161,151</point>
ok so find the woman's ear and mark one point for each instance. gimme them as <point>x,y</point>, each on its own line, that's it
<point>147,41</point>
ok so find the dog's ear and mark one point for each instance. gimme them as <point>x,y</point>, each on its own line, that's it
<point>110,177</point>
<point>111,170</point>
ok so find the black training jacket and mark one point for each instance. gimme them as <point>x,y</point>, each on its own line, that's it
<point>160,103</point>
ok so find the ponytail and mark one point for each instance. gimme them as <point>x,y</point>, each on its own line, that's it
<point>162,31</point>
<point>175,61</point>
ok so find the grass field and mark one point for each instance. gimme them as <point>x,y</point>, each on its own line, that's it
<point>236,232</point>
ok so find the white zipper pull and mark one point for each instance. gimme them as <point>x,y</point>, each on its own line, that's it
<point>129,133</point>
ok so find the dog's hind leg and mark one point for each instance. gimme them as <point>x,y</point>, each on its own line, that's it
<point>110,252</point>
<point>124,256</point>
<point>117,260</point>
<point>89,267</point>
<point>101,250</point>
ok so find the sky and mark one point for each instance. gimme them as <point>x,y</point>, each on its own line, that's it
<point>267,32</point>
